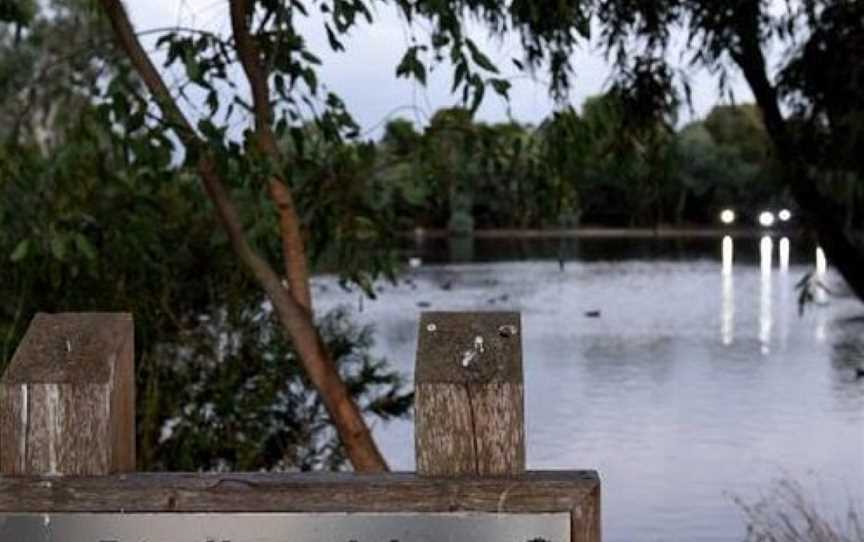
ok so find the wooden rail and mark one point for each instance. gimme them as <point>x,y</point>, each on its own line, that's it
<point>469,445</point>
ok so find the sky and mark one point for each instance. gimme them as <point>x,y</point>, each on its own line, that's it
<point>364,75</point>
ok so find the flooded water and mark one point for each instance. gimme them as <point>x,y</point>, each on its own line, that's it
<point>697,383</point>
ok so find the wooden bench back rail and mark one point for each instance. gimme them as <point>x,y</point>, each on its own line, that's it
<point>67,408</point>
<point>574,493</point>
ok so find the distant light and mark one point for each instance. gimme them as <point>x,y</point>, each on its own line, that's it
<point>766,218</point>
<point>727,216</point>
<point>784,215</point>
<point>415,262</point>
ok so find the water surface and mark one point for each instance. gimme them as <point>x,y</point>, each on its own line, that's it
<point>698,382</point>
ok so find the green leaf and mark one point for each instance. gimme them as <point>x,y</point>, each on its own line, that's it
<point>136,121</point>
<point>335,44</point>
<point>20,251</point>
<point>459,76</point>
<point>279,83</point>
<point>58,246</point>
<point>309,57</point>
<point>85,247</point>
<point>411,65</point>
<point>501,86</point>
<point>479,58</point>
<point>213,101</point>
<point>165,38</point>
<point>439,40</point>
<point>479,91</point>
<point>193,68</point>
<point>311,79</point>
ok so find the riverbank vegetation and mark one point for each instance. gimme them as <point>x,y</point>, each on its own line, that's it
<point>92,220</point>
<point>787,514</point>
<point>577,167</point>
<point>202,202</point>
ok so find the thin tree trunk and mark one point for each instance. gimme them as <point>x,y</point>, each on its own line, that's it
<point>293,251</point>
<point>682,205</point>
<point>292,307</point>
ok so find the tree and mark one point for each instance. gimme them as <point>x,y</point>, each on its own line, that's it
<point>17,12</point>
<point>509,189</point>
<point>741,127</point>
<point>726,160</point>
<point>280,71</point>
<point>267,42</point>
<point>42,84</point>
<point>564,161</point>
<point>219,387</point>
<point>292,298</point>
<point>819,83</point>
<point>94,221</point>
<point>706,172</point>
<point>599,165</point>
<point>58,237</point>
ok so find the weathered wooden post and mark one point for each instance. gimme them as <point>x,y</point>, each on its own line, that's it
<point>67,399</point>
<point>67,408</point>
<point>469,394</point>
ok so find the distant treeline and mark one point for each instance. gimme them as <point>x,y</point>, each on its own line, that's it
<point>590,167</point>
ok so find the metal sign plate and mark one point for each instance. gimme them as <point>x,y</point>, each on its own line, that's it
<point>285,527</point>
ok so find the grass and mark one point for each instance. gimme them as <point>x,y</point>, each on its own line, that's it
<point>787,515</point>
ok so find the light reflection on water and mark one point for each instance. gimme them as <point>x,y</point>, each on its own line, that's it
<point>783,252</point>
<point>680,397</point>
<point>727,318</point>
<point>766,253</point>
<point>821,274</point>
<point>785,289</point>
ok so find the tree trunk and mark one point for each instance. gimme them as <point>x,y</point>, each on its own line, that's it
<point>293,305</point>
<point>680,207</point>
<point>820,212</point>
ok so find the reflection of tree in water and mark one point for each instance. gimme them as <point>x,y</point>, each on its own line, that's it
<point>847,363</point>
<point>847,349</point>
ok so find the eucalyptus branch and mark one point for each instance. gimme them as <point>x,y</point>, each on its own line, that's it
<point>294,317</point>
<point>250,59</point>
<point>293,249</point>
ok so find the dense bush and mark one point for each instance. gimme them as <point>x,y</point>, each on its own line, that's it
<point>219,386</point>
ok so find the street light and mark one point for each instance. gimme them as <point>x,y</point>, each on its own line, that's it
<point>785,215</point>
<point>727,216</point>
<point>766,218</point>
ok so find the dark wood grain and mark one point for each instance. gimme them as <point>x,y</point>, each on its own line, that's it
<point>67,401</point>
<point>469,419</point>
<point>444,336</point>
<point>573,492</point>
<point>543,491</point>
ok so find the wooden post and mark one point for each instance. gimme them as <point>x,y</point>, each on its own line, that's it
<point>67,400</point>
<point>469,395</point>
